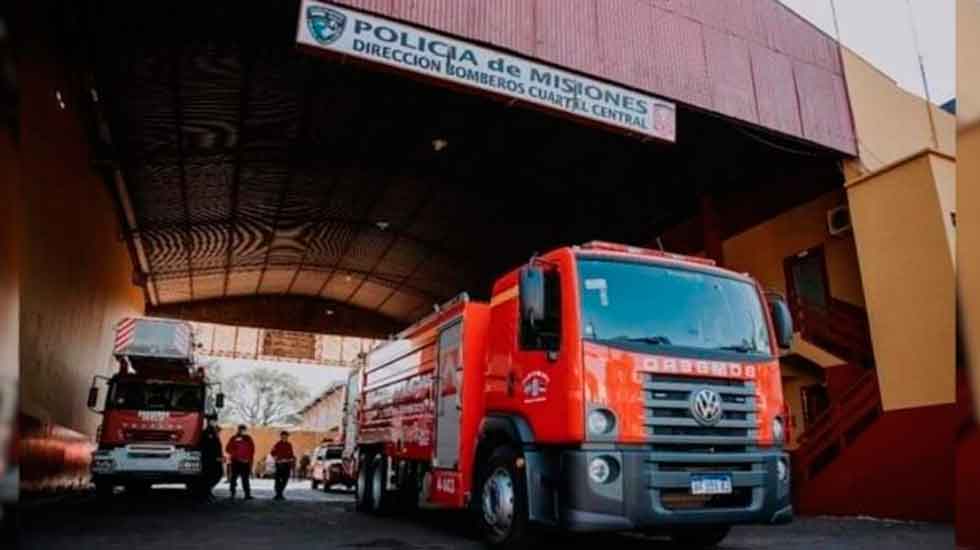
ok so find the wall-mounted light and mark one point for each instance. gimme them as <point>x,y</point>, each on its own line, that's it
<point>439,144</point>
<point>382,225</point>
<point>60,99</point>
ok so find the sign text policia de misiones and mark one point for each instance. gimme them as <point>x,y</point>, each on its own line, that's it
<point>353,33</point>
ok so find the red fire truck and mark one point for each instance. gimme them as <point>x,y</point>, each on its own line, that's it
<point>603,387</point>
<point>155,409</point>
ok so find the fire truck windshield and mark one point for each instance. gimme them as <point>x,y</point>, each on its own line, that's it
<point>156,397</point>
<point>648,307</point>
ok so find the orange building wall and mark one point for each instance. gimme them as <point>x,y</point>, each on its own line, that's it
<point>304,441</point>
<point>9,260</point>
<point>75,273</point>
<point>760,251</point>
<point>890,122</point>
<point>908,280</point>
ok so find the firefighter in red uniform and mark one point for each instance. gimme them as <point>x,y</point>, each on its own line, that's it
<point>241,452</point>
<point>282,452</point>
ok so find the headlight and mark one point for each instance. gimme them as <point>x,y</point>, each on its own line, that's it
<point>603,469</point>
<point>783,469</point>
<point>601,422</point>
<point>778,431</point>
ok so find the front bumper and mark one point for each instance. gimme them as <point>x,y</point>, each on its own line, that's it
<point>652,490</point>
<point>146,463</point>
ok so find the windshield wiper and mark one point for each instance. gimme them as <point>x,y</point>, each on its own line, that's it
<point>739,348</point>
<point>653,340</point>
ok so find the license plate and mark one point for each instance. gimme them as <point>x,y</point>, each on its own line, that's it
<point>711,485</point>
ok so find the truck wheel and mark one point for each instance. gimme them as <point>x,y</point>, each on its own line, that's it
<point>703,537</point>
<point>363,493</point>
<point>314,484</point>
<point>502,511</point>
<point>378,488</point>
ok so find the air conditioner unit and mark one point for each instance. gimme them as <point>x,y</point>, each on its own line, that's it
<point>839,220</point>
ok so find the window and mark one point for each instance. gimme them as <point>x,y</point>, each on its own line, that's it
<point>156,397</point>
<point>546,334</point>
<point>652,307</point>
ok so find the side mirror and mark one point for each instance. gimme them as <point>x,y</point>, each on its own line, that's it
<point>531,294</point>
<point>93,397</point>
<point>219,401</point>
<point>782,321</point>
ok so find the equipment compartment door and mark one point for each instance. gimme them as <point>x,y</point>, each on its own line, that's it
<point>448,392</point>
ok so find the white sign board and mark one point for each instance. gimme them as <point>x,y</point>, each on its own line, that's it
<point>349,32</point>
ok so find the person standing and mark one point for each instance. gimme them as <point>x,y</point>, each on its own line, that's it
<point>282,452</point>
<point>212,459</point>
<point>241,453</point>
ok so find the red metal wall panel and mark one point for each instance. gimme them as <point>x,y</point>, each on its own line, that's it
<point>507,23</point>
<point>453,16</point>
<point>653,49</point>
<point>730,75</point>
<point>377,6</point>
<point>733,56</point>
<point>625,52</point>
<point>566,34</point>
<point>821,94</point>
<point>775,91</point>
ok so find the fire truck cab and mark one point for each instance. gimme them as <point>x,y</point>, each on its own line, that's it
<point>603,387</point>
<point>155,410</point>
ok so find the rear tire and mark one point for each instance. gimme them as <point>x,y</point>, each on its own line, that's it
<point>703,537</point>
<point>502,500</point>
<point>362,499</point>
<point>378,487</point>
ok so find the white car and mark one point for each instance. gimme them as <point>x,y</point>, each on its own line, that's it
<point>327,469</point>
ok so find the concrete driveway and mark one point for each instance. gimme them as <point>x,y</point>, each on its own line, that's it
<point>168,519</point>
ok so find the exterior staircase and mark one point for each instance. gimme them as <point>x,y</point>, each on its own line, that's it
<point>840,328</point>
<point>857,459</point>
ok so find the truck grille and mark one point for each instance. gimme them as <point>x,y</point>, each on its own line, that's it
<point>670,423</point>
<point>682,446</point>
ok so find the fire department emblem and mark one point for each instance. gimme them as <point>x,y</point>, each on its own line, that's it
<point>325,24</point>
<point>535,387</point>
<point>706,407</point>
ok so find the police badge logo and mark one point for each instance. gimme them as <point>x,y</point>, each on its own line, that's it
<point>325,24</point>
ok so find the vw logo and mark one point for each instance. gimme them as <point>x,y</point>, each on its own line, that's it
<point>706,407</point>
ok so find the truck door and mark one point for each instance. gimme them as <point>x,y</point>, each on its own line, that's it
<point>448,405</point>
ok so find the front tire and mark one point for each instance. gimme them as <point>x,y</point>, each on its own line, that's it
<point>704,537</point>
<point>502,511</point>
<point>314,484</point>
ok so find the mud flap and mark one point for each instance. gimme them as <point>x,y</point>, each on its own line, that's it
<point>541,471</point>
